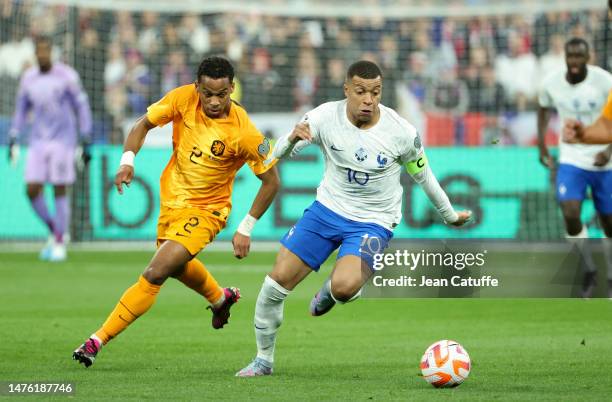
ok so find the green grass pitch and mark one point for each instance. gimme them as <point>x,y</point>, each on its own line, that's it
<point>368,350</point>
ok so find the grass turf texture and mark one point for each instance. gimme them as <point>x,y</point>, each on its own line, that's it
<point>368,350</point>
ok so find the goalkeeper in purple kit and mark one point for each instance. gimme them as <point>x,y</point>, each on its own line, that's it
<point>50,99</point>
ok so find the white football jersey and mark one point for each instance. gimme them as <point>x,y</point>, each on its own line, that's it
<point>362,167</point>
<point>582,102</point>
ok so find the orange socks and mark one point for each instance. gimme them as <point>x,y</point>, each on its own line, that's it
<point>141,296</point>
<point>197,277</point>
<point>134,302</point>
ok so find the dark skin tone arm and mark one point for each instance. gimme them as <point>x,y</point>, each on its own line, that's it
<point>543,117</point>
<point>133,143</point>
<point>270,183</point>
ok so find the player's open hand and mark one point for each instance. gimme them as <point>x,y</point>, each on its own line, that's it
<point>464,217</point>
<point>572,131</point>
<point>242,245</point>
<point>545,159</point>
<point>124,175</point>
<point>300,132</point>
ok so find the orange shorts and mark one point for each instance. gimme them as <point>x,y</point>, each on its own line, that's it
<point>192,227</point>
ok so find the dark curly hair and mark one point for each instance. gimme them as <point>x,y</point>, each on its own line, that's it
<point>216,67</point>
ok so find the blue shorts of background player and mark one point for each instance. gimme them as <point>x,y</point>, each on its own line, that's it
<point>320,231</point>
<point>572,183</point>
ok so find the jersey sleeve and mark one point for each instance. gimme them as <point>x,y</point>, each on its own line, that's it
<point>607,110</point>
<point>163,111</point>
<point>412,154</point>
<point>606,81</point>
<point>544,98</point>
<point>414,158</point>
<point>283,148</point>
<point>80,102</point>
<point>22,105</point>
<point>255,149</point>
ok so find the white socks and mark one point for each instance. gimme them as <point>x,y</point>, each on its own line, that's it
<point>607,252</point>
<point>268,317</point>
<point>581,241</point>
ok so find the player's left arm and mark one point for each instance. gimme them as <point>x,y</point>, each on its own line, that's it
<point>417,166</point>
<point>255,149</point>
<point>80,102</point>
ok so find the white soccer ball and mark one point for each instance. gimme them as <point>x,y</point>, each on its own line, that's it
<point>445,364</point>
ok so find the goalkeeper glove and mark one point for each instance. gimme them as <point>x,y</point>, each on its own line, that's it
<point>13,151</point>
<point>82,154</point>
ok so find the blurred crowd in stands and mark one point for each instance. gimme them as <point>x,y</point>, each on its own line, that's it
<point>485,66</point>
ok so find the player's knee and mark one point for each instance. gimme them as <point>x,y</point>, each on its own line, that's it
<point>155,275</point>
<point>607,228</point>
<point>59,191</point>
<point>573,226</point>
<point>33,191</point>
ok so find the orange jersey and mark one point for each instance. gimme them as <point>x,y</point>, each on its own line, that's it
<point>607,110</point>
<point>207,152</point>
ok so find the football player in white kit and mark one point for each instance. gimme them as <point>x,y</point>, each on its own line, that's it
<point>358,203</point>
<point>579,92</point>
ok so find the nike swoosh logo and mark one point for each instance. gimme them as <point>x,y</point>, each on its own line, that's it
<point>261,327</point>
<point>333,147</point>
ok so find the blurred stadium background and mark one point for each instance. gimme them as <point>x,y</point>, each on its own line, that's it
<point>465,73</point>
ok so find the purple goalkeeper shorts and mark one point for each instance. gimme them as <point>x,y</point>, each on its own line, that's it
<point>50,162</point>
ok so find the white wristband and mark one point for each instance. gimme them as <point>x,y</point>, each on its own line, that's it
<point>246,226</point>
<point>127,158</point>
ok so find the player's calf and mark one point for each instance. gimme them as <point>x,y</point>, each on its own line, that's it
<point>589,283</point>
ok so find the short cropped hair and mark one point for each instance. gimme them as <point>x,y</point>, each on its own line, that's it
<point>215,68</point>
<point>43,39</point>
<point>577,42</point>
<point>364,69</point>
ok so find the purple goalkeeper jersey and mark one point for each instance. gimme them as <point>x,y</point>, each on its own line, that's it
<point>52,101</point>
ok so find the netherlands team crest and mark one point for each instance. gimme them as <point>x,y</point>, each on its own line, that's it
<point>217,148</point>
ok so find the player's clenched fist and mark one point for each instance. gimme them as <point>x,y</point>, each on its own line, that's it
<point>242,245</point>
<point>125,174</point>
<point>573,131</point>
<point>463,218</point>
<point>300,132</point>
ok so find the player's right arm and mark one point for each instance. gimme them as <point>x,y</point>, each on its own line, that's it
<point>543,117</point>
<point>158,114</point>
<point>22,106</point>
<point>299,138</point>
<point>294,142</point>
<point>545,104</point>
<point>132,145</point>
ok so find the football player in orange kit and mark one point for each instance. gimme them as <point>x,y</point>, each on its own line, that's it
<point>212,139</point>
